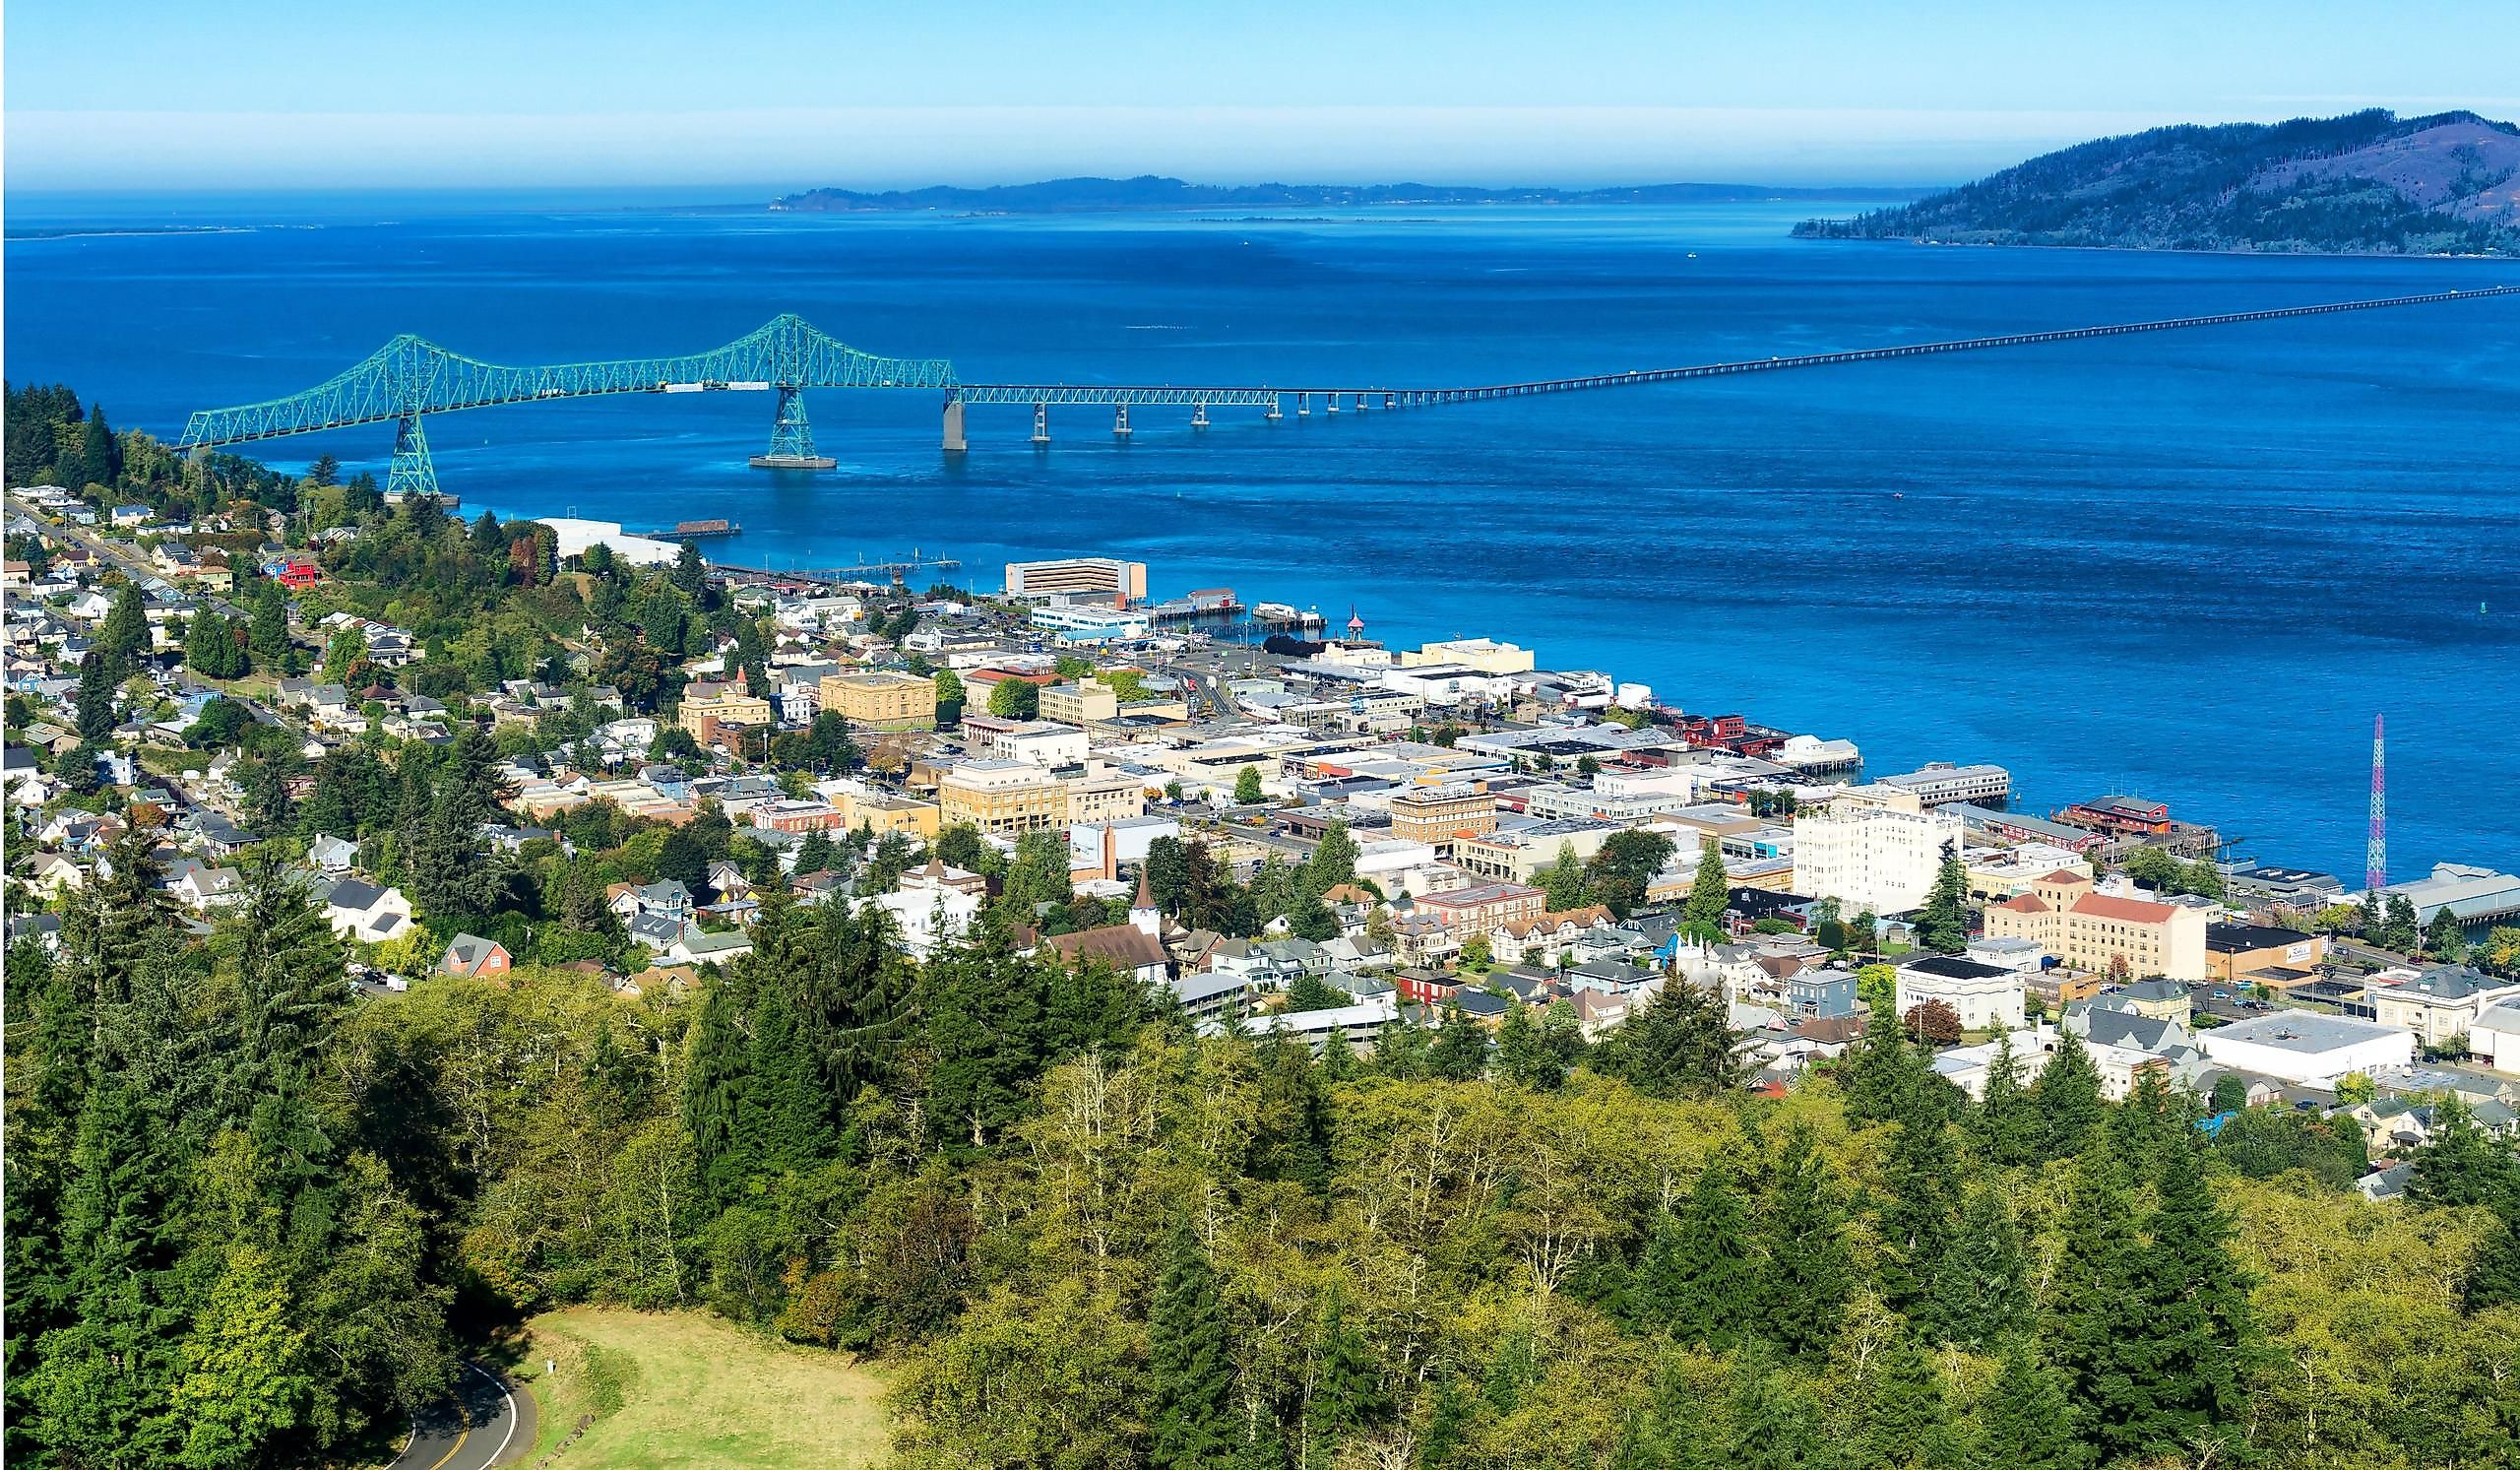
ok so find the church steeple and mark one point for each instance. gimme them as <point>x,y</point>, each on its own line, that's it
<point>1142,910</point>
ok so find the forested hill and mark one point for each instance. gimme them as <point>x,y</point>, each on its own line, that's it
<point>1151,192</point>
<point>2364,183</point>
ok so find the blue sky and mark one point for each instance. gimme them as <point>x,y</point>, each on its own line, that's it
<point>283,94</point>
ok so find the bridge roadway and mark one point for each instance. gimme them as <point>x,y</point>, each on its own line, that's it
<point>1056,394</point>
<point>410,378</point>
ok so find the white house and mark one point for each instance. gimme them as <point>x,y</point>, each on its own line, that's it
<point>928,917</point>
<point>1985,997</point>
<point>365,913</point>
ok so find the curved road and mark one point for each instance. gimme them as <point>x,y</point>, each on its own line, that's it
<point>481,1423</point>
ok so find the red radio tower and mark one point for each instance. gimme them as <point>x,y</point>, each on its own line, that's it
<point>2375,856</point>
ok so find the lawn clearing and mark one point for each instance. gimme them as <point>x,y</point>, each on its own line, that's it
<point>687,1389</point>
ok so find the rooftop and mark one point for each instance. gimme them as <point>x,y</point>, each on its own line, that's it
<point>2302,1031</point>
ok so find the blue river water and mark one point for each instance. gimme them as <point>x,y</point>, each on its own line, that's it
<point>2191,565</point>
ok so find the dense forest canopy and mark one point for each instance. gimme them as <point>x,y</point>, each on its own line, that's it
<point>2367,182</point>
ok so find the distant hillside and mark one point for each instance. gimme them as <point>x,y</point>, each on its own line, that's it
<point>2365,183</point>
<point>1152,193</point>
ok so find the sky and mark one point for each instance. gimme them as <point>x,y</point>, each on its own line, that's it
<point>778,95</point>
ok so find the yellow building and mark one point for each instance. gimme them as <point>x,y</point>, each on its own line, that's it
<point>1485,655</point>
<point>729,705</point>
<point>1440,813</point>
<point>1002,797</point>
<point>1109,797</point>
<point>884,812</point>
<point>882,700</point>
<point>2091,930</point>
<point>1080,703</point>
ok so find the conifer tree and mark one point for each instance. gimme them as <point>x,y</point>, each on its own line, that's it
<point>1193,1426</point>
<point>1460,1051</point>
<point>2024,1423</point>
<point>2005,1128</point>
<point>1804,1279</point>
<point>1709,889</point>
<point>1775,1425</point>
<point>122,635</point>
<point>1345,1384</point>
<point>2067,1092</point>
<point>2094,1330</point>
<point>1920,1214</point>
<point>1980,1292</point>
<point>1902,1409</point>
<point>1698,1280</point>
<point>2198,1326</point>
<point>1942,926</point>
<point>95,700</point>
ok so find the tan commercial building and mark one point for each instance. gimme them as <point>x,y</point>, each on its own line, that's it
<point>884,812</point>
<point>1109,797</point>
<point>2091,930</point>
<point>882,700</point>
<point>728,707</point>
<point>1440,813</point>
<point>1002,797</point>
<point>1080,703</point>
<point>1076,574</point>
<point>1483,908</point>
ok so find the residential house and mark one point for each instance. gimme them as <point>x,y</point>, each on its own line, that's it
<point>472,955</point>
<point>365,913</point>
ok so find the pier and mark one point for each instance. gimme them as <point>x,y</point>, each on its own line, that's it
<point>410,378</point>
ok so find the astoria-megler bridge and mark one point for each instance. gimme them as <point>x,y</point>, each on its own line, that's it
<point>410,378</point>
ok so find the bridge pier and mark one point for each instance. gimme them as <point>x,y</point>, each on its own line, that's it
<point>954,441</point>
<point>1330,402</point>
<point>412,472</point>
<point>1040,423</point>
<point>1199,417</point>
<point>1274,414</point>
<point>1304,406</point>
<point>1391,401</point>
<point>1120,420</point>
<point>792,436</point>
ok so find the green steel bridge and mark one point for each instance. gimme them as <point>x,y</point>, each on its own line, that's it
<point>410,378</point>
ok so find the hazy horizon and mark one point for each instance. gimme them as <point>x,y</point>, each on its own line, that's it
<point>788,95</point>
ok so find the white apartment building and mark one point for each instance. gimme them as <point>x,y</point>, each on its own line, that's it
<point>1870,858</point>
<point>1042,743</point>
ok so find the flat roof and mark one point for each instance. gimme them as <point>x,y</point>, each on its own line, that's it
<point>2302,1031</point>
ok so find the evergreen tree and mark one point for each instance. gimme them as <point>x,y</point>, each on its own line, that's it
<point>1189,1363</point>
<point>1699,1280</point>
<point>1345,1384</point>
<point>1981,1289</point>
<point>1902,1411</point>
<point>2024,1422</point>
<point>122,635</point>
<point>1460,1051</point>
<point>95,697</point>
<point>1333,861</point>
<point>1682,1045</point>
<point>2005,1128</point>
<point>1942,926</point>
<point>2198,1326</point>
<point>1563,884</point>
<point>814,854</point>
<point>2067,1092</point>
<point>1709,889</point>
<point>2460,1164</point>
<point>1775,1425</point>
<point>1918,1217</point>
<point>1805,1280</point>
<point>2096,1331</point>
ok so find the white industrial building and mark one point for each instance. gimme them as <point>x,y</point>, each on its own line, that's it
<point>2307,1047</point>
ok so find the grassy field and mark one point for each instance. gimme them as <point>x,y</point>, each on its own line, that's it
<point>686,1390</point>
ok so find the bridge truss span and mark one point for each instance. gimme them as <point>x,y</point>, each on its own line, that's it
<point>410,378</point>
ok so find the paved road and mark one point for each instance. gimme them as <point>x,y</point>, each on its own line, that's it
<point>480,1424</point>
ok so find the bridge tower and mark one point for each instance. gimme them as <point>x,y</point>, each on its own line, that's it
<point>412,472</point>
<point>792,436</point>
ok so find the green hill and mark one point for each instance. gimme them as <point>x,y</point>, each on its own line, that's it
<point>2364,183</point>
